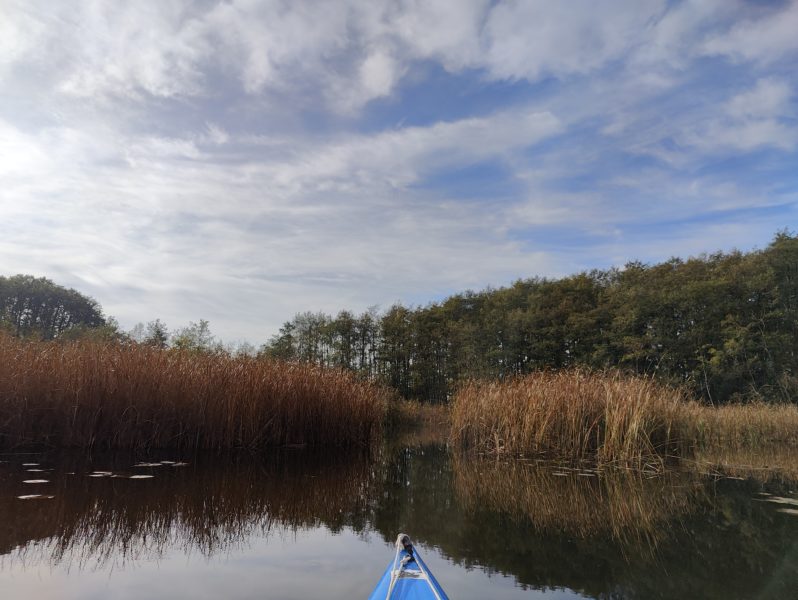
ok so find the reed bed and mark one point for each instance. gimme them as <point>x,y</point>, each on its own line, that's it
<point>751,425</point>
<point>96,395</point>
<point>575,415</point>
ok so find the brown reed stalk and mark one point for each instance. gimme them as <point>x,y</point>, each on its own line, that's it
<point>575,414</point>
<point>579,414</point>
<point>89,394</point>
<point>751,425</point>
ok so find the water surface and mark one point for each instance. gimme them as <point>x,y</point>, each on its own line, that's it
<point>291,524</point>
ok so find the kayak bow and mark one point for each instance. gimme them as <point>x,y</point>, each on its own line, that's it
<point>407,577</point>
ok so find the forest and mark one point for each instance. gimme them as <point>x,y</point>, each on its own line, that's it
<point>723,325</point>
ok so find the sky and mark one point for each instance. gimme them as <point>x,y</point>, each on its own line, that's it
<point>243,161</point>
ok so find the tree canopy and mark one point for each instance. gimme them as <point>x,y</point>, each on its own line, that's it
<point>725,325</point>
<point>31,306</point>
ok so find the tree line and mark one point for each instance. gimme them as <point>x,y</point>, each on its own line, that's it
<point>37,308</point>
<point>725,325</point>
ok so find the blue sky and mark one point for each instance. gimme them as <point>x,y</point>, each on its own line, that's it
<point>242,161</point>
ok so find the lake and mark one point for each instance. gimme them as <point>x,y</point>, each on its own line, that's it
<point>291,524</point>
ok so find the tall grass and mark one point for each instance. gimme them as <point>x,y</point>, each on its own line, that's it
<point>575,415</point>
<point>610,417</point>
<point>89,394</point>
<point>751,425</point>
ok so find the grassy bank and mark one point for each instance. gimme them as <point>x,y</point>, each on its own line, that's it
<point>607,416</point>
<point>118,396</point>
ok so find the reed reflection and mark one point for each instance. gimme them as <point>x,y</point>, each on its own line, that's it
<point>629,506</point>
<point>209,504</point>
<point>771,463</point>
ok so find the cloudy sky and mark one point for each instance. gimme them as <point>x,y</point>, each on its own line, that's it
<point>241,161</point>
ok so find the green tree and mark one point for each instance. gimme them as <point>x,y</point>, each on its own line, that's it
<point>196,337</point>
<point>31,306</point>
<point>156,334</point>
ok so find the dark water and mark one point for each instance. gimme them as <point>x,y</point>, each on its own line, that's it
<point>295,525</point>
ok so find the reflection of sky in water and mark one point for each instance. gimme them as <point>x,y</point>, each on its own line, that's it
<point>298,525</point>
<point>309,564</point>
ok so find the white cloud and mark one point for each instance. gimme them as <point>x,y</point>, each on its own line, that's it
<point>765,39</point>
<point>128,49</point>
<point>447,31</point>
<point>533,39</point>
<point>190,160</point>
<point>741,136</point>
<point>750,120</point>
<point>347,52</point>
<point>769,98</point>
<point>331,225</point>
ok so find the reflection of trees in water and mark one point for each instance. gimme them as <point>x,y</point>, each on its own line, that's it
<point>714,538</point>
<point>211,505</point>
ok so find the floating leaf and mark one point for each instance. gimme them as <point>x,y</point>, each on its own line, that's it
<point>36,497</point>
<point>36,481</point>
<point>141,476</point>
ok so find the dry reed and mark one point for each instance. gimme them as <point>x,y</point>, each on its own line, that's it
<point>88,394</point>
<point>576,415</point>
<point>751,425</point>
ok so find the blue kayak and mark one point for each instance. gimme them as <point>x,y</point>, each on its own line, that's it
<point>407,577</point>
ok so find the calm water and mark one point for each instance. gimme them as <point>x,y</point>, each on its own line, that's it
<point>292,525</point>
